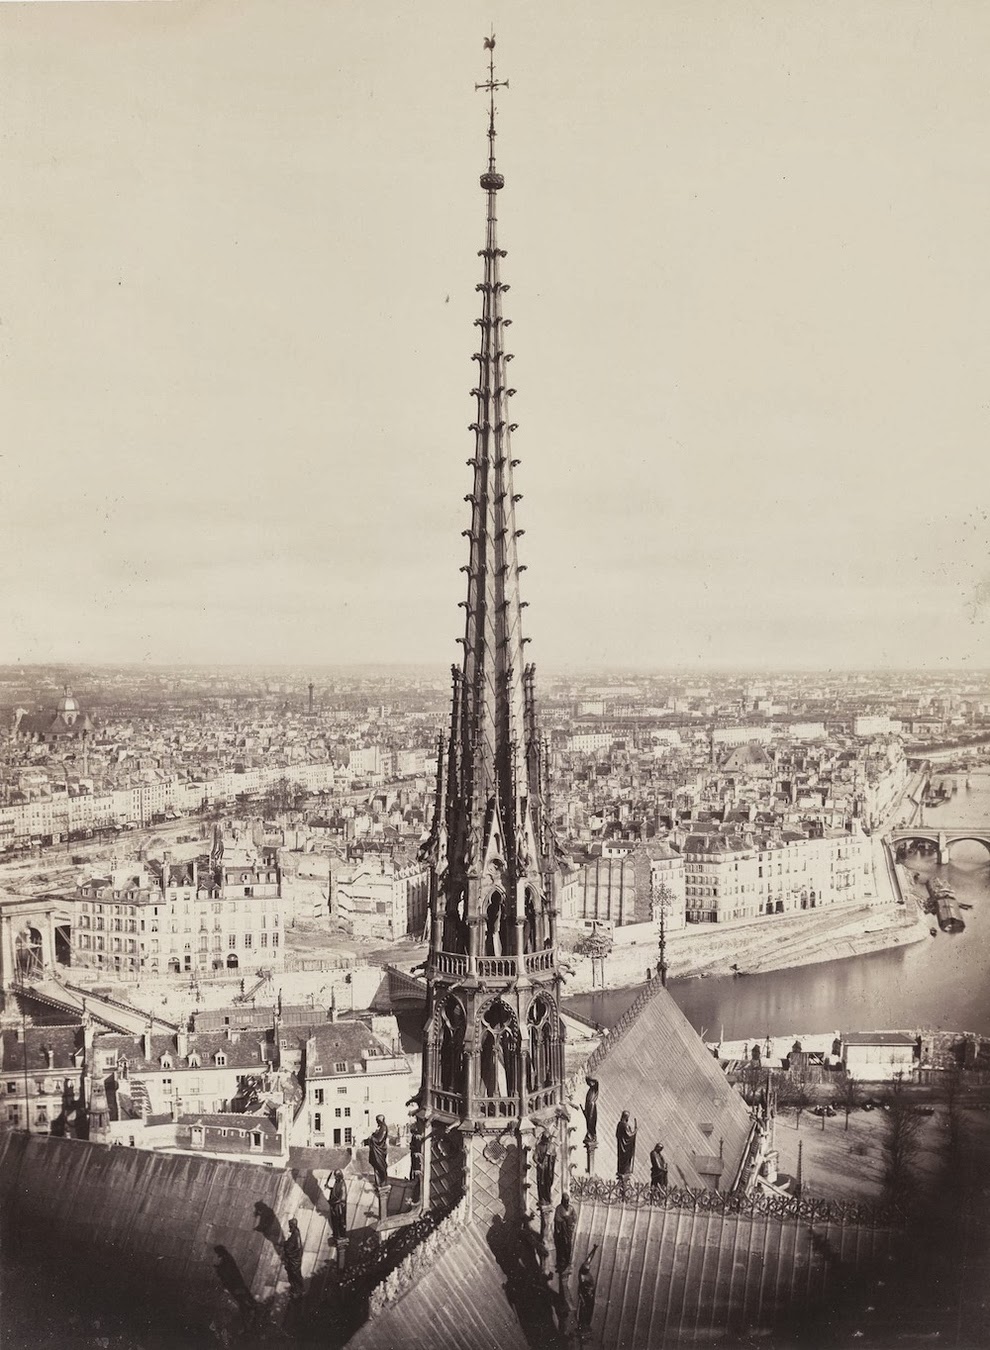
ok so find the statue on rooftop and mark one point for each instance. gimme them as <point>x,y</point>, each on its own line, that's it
<point>416,1165</point>
<point>625,1146</point>
<point>545,1156</point>
<point>337,1200</point>
<point>377,1144</point>
<point>586,1294</point>
<point>590,1111</point>
<point>564,1224</point>
<point>292,1250</point>
<point>658,1166</point>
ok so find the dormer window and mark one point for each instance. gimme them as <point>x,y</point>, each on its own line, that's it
<point>340,1067</point>
<point>220,1059</point>
<point>166,1061</point>
<point>194,1060</point>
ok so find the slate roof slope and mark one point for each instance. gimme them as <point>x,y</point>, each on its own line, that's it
<point>30,1055</point>
<point>343,1042</point>
<point>661,1073</point>
<point>243,1053</point>
<point>668,1277</point>
<point>459,1304</point>
<point>158,1221</point>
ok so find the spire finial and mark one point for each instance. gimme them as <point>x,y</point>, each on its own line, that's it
<point>490,85</point>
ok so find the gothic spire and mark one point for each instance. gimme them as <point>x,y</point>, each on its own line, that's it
<point>493,1042</point>
<point>491,724</point>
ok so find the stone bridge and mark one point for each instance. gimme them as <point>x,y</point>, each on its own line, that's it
<point>405,990</point>
<point>942,839</point>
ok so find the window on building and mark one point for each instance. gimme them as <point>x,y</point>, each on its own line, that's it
<point>341,1090</point>
<point>336,1111</point>
<point>336,1137</point>
<point>340,1067</point>
<point>318,1096</point>
<point>348,1135</point>
<point>317,1123</point>
<point>347,1112</point>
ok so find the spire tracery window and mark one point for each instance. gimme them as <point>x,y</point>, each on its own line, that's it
<point>542,1028</point>
<point>449,1027</point>
<point>499,1051</point>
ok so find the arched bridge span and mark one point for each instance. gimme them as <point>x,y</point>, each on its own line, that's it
<point>941,839</point>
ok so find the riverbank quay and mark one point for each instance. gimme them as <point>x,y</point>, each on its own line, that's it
<point>775,943</point>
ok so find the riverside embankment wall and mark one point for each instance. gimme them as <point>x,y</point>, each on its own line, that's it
<point>192,1235</point>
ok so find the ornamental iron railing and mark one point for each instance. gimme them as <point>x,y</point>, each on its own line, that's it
<point>640,1194</point>
<point>370,1263</point>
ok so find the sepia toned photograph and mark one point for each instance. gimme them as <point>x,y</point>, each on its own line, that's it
<point>494,675</point>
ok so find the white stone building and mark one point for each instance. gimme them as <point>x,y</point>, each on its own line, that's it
<point>747,876</point>
<point>351,1076</point>
<point>380,897</point>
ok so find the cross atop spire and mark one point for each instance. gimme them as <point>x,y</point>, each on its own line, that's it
<point>491,181</point>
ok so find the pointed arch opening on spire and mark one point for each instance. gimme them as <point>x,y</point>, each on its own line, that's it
<point>499,1050</point>
<point>447,1035</point>
<point>543,1027</point>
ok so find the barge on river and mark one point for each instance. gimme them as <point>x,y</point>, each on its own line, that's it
<point>946,906</point>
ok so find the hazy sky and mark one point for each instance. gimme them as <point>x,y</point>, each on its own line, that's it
<point>749,289</point>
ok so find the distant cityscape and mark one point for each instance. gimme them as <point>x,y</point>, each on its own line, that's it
<point>172,829</point>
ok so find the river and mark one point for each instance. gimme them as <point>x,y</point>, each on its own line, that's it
<point>942,983</point>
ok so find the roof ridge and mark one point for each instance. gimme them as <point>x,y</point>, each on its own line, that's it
<point>616,1033</point>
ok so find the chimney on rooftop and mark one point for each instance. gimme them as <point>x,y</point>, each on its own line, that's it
<point>146,1040</point>
<point>182,1042</point>
<point>50,1054</point>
